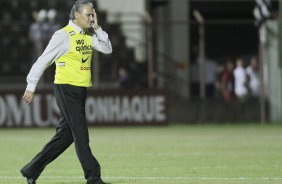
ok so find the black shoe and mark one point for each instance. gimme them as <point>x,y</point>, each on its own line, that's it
<point>105,183</point>
<point>28,179</point>
<point>101,182</point>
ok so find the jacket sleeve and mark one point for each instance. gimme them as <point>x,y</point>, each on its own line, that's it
<point>101,41</point>
<point>56,47</point>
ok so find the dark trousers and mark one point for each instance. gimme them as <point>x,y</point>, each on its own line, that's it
<point>72,128</point>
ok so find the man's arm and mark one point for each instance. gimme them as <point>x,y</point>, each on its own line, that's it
<point>56,47</point>
<point>101,40</point>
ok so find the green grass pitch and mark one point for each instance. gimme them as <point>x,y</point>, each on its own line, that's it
<point>175,154</point>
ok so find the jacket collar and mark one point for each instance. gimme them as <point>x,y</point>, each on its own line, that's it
<point>76,27</point>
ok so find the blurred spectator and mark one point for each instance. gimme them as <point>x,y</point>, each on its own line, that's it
<point>227,82</point>
<point>52,23</point>
<point>49,28</point>
<point>253,74</point>
<point>210,77</point>
<point>218,77</point>
<point>36,33</point>
<point>195,83</point>
<point>40,33</point>
<point>124,79</point>
<point>241,81</point>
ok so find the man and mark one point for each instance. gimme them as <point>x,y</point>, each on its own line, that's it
<point>71,50</point>
<point>253,74</point>
<point>227,82</point>
<point>241,82</point>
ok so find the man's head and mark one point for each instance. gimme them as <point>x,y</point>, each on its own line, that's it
<point>240,62</point>
<point>254,63</point>
<point>230,65</point>
<point>82,14</point>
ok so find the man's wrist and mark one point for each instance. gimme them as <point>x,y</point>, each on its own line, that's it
<point>31,87</point>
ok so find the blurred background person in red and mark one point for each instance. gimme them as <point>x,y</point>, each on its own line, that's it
<point>227,82</point>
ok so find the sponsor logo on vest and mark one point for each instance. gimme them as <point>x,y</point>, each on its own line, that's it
<point>85,68</point>
<point>84,60</point>
<point>72,33</point>
<point>79,42</point>
<point>83,48</point>
<point>87,52</point>
<point>62,63</point>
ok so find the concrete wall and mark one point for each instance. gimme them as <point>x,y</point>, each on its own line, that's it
<point>272,71</point>
<point>172,36</point>
<point>130,14</point>
<point>172,46</point>
<point>179,41</point>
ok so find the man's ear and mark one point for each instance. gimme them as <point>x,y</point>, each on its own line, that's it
<point>76,14</point>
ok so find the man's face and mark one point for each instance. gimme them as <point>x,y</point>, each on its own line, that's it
<point>85,18</point>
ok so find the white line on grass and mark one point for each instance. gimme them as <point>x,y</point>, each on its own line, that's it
<point>192,178</point>
<point>153,178</point>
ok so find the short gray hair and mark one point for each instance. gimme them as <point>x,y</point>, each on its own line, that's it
<point>77,7</point>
